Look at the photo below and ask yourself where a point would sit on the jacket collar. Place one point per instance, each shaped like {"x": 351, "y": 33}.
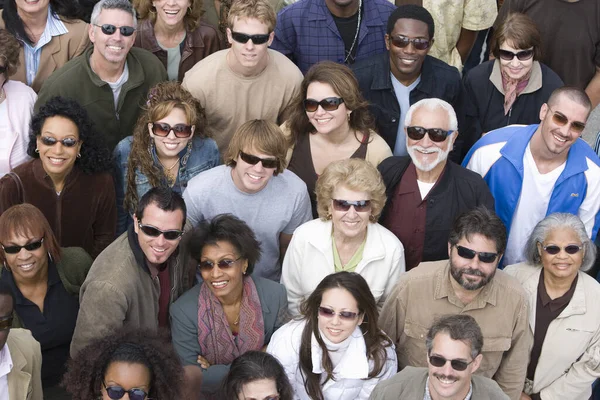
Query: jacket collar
{"x": 18, "y": 380}
{"x": 136, "y": 70}
{"x": 42, "y": 176}
{"x": 148, "y": 38}
{"x": 382, "y": 79}
{"x": 534, "y": 84}
{"x": 444, "y": 289}
{"x": 134, "y": 244}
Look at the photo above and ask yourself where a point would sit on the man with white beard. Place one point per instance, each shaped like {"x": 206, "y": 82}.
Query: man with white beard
{"x": 425, "y": 191}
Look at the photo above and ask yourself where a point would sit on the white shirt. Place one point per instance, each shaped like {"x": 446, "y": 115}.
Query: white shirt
{"x": 6, "y": 365}
{"x": 425, "y": 188}
{"x": 116, "y": 86}
{"x": 403, "y": 96}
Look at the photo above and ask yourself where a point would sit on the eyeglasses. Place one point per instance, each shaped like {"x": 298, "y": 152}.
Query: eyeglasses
{"x": 457, "y": 365}
{"x": 329, "y": 313}
{"x": 29, "y": 247}
{"x": 469, "y": 254}
{"x": 570, "y": 249}
{"x": 327, "y": 104}
{"x": 256, "y": 39}
{"x": 561, "y": 120}
{"x": 435, "y": 134}
{"x": 67, "y": 142}
{"x": 109, "y": 29}
{"x": 6, "y": 323}
{"x": 163, "y": 129}
{"x": 403, "y": 41}
{"x": 117, "y": 392}
{"x": 171, "y": 234}
{"x": 359, "y": 206}
{"x": 253, "y": 160}
{"x": 207, "y": 265}
{"x": 521, "y": 55}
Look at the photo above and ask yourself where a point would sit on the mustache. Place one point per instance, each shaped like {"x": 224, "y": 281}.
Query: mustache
{"x": 429, "y": 149}
{"x": 446, "y": 377}
{"x": 472, "y": 271}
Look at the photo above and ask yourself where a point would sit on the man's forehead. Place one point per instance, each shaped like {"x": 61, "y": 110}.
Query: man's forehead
{"x": 444, "y": 345}
{"x": 570, "y": 108}
{"x": 431, "y": 118}
{"x": 113, "y": 15}
{"x": 411, "y": 27}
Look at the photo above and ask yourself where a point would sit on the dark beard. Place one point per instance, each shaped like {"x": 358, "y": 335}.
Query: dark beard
{"x": 457, "y": 274}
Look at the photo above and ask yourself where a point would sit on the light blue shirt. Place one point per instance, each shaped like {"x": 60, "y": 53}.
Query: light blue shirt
{"x": 54, "y": 27}
{"x": 403, "y": 96}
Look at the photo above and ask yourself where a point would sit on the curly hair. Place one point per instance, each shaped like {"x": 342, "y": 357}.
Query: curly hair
{"x": 95, "y": 156}
{"x": 85, "y": 373}
{"x": 162, "y": 99}
{"x": 9, "y": 52}
{"x": 191, "y": 20}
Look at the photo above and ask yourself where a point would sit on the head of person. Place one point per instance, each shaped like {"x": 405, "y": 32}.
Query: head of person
{"x": 475, "y": 246}
{"x": 158, "y": 223}
{"x": 559, "y": 243}
{"x": 226, "y": 250}
{"x": 329, "y": 102}
{"x": 7, "y": 304}
{"x": 127, "y": 364}
{"x": 431, "y": 128}
{"x": 184, "y": 14}
{"x": 256, "y": 153}
{"x": 256, "y": 375}
{"x": 250, "y": 31}
{"x": 9, "y": 56}
{"x": 453, "y": 345}
{"x": 409, "y": 38}
{"x": 112, "y": 30}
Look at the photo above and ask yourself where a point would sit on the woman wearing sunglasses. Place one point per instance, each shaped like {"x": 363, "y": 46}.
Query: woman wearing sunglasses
{"x": 512, "y": 88}
{"x": 563, "y": 307}
{"x": 45, "y": 280}
{"x": 336, "y": 351}
{"x": 346, "y": 237}
{"x": 68, "y": 178}
{"x": 229, "y": 312}
{"x": 133, "y": 365}
{"x": 169, "y": 147}
{"x": 328, "y": 121}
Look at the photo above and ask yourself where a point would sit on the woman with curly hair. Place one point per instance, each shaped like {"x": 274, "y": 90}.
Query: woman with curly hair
{"x": 68, "y": 179}
{"x": 169, "y": 147}
{"x": 140, "y": 364}
{"x": 328, "y": 121}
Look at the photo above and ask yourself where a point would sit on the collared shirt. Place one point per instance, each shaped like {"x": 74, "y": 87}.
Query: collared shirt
{"x": 54, "y": 27}
{"x": 6, "y": 366}
{"x": 428, "y": 396}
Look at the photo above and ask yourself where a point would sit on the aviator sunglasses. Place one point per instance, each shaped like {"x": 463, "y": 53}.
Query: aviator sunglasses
{"x": 469, "y": 254}
{"x": 67, "y": 142}
{"x": 109, "y": 29}
{"x": 29, "y": 247}
{"x": 256, "y": 39}
{"x": 560, "y": 120}
{"x": 117, "y": 392}
{"x": 226, "y": 263}
{"x": 403, "y": 41}
{"x": 253, "y": 160}
{"x": 570, "y": 249}
{"x": 327, "y": 104}
{"x": 457, "y": 365}
{"x": 521, "y": 55}
{"x": 152, "y": 231}
{"x": 163, "y": 129}
{"x": 435, "y": 134}
{"x": 329, "y": 313}
{"x": 359, "y": 206}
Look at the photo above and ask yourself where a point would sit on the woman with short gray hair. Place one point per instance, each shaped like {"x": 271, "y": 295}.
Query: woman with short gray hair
{"x": 563, "y": 309}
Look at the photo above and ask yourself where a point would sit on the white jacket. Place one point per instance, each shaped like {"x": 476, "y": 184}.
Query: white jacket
{"x": 348, "y": 382}
{"x": 309, "y": 259}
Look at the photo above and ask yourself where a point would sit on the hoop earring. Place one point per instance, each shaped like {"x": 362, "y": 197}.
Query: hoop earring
{"x": 37, "y": 150}
{"x": 78, "y": 155}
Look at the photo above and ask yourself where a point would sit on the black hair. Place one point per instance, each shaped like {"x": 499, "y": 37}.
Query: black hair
{"x": 575, "y": 94}
{"x": 411, "y": 11}
{"x": 6, "y": 290}
{"x": 479, "y": 221}
{"x": 164, "y": 198}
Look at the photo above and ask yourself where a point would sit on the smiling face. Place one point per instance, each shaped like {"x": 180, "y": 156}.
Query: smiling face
{"x": 57, "y": 159}
{"x": 406, "y": 63}
{"x": 349, "y": 224}
{"x": 171, "y": 12}
{"x": 31, "y": 7}
{"x": 425, "y": 153}
{"x": 557, "y": 140}
{"x": 472, "y": 274}
{"x": 128, "y": 376}
{"x": 327, "y": 122}
{"x": 226, "y": 282}
{"x": 335, "y": 328}
{"x": 112, "y": 48}
{"x": 251, "y": 178}
{"x": 515, "y": 68}
{"x": 561, "y": 266}
{"x": 170, "y": 145}
{"x": 26, "y": 265}
{"x": 248, "y": 58}
{"x": 260, "y": 389}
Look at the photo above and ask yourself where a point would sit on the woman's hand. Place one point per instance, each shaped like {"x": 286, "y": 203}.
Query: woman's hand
{"x": 203, "y": 362}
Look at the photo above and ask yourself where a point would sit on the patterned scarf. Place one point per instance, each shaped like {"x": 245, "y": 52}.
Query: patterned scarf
{"x": 513, "y": 88}
{"x": 214, "y": 335}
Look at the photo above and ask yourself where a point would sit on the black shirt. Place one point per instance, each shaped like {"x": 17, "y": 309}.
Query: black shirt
{"x": 348, "y": 28}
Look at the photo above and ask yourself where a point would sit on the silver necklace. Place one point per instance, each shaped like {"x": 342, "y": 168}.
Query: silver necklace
{"x": 356, "y": 34}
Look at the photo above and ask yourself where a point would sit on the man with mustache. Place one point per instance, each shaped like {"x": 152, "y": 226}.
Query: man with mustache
{"x": 468, "y": 284}
{"x": 426, "y": 192}
{"x": 454, "y": 344}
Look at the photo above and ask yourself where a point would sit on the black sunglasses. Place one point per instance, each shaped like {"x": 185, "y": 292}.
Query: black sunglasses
{"x": 171, "y": 234}
{"x": 3, "y": 69}
{"x": 253, "y": 160}
{"x": 6, "y": 323}
{"x": 226, "y": 263}
{"x": 67, "y": 142}
{"x": 469, "y": 254}
{"x": 457, "y": 365}
{"x": 29, "y": 247}
{"x": 256, "y": 39}
{"x": 117, "y": 392}
{"x": 403, "y": 41}
{"x": 163, "y": 129}
{"x": 359, "y": 206}
{"x": 561, "y": 120}
{"x": 570, "y": 249}
{"x": 435, "y": 134}
{"x": 327, "y": 104}
{"x": 329, "y": 313}
{"x": 109, "y": 29}
{"x": 521, "y": 55}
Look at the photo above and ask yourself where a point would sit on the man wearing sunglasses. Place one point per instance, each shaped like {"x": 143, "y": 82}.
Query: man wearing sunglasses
{"x": 110, "y": 79}
{"x": 537, "y": 170}
{"x": 468, "y": 283}
{"x": 425, "y": 191}
{"x": 454, "y": 344}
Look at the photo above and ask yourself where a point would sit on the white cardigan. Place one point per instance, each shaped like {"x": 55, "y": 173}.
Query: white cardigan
{"x": 309, "y": 259}
{"x": 349, "y": 374}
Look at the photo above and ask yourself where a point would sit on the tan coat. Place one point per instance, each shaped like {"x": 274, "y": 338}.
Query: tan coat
{"x": 25, "y": 378}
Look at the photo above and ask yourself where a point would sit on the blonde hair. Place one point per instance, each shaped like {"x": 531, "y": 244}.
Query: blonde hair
{"x": 261, "y": 10}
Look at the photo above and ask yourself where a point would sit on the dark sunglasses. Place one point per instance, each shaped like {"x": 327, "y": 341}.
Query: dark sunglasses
{"x": 6, "y": 323}
{"x": 171, "y": 234}
{"x": 117, "y": 392}
{"x": 222, "y": 264}
{"x": 163, "y": 129}
{"x": 109, "y": 29}
{"x": 3, "y": 69}
{"x": 327, "y": 104}
{"x": 329, "y": 313}
{"x": 403, "y": 41}
{"x": 457, "y": 365}
{"x": 560, "y": 120}
{"x": 359, "y": 206}
{"x": 521, "y": 55}
{"x": 570, "y": 249}
{"x": 67, "y": 142}
{"x": 253, "y": 160}
{"x": 469, "y": 254}
{"x": 435, "y": 134}
{"x": 256, "y": 39}
{"x": 29, "y": 247}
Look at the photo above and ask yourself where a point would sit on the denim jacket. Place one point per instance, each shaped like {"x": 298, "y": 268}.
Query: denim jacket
{"x": 204, "y": 155}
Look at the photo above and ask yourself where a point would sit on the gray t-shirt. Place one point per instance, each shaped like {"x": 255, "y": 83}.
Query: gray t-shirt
{"x": 282, "y": 206}
{"x": 403, "y": 96}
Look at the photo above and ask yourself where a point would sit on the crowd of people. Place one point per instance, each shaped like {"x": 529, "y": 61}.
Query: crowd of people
{"x": 307, "y": 200}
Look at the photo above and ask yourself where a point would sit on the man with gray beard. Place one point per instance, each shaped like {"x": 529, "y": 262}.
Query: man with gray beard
{"x": 468, "y": 283}
{"x": 425, "y": 191}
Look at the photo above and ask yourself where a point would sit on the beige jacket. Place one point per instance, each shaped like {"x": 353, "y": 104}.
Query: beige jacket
{"x": 570, "y": 358}
{"x": 25, "y": 377}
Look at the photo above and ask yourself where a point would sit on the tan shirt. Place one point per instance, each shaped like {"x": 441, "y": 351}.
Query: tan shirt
{"x": 500, "y": 309}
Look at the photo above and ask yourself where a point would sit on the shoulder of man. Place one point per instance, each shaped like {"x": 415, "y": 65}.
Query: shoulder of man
{"x": 22, "y": 341}
{"x": 486, "y": 388}
{"x": 114, "y": 263}
{"x": 440, "y": 67}
{"x": 208, "y": 66}
{"x": 285, "y": 67}
{"x": 410, "y": 379}
{"x": 508, "y": 283}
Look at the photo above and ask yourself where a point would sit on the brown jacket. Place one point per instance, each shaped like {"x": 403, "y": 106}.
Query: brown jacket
{"x": 25, "y": 377}
{"x": 501, "y": 310}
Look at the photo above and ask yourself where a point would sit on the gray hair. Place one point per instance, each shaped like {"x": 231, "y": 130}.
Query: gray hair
{"x": 461, "y": 327}
{"x": 557, "y": 221}
{"x": 433, "y": 104}
{"x": 123, "y": 5}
